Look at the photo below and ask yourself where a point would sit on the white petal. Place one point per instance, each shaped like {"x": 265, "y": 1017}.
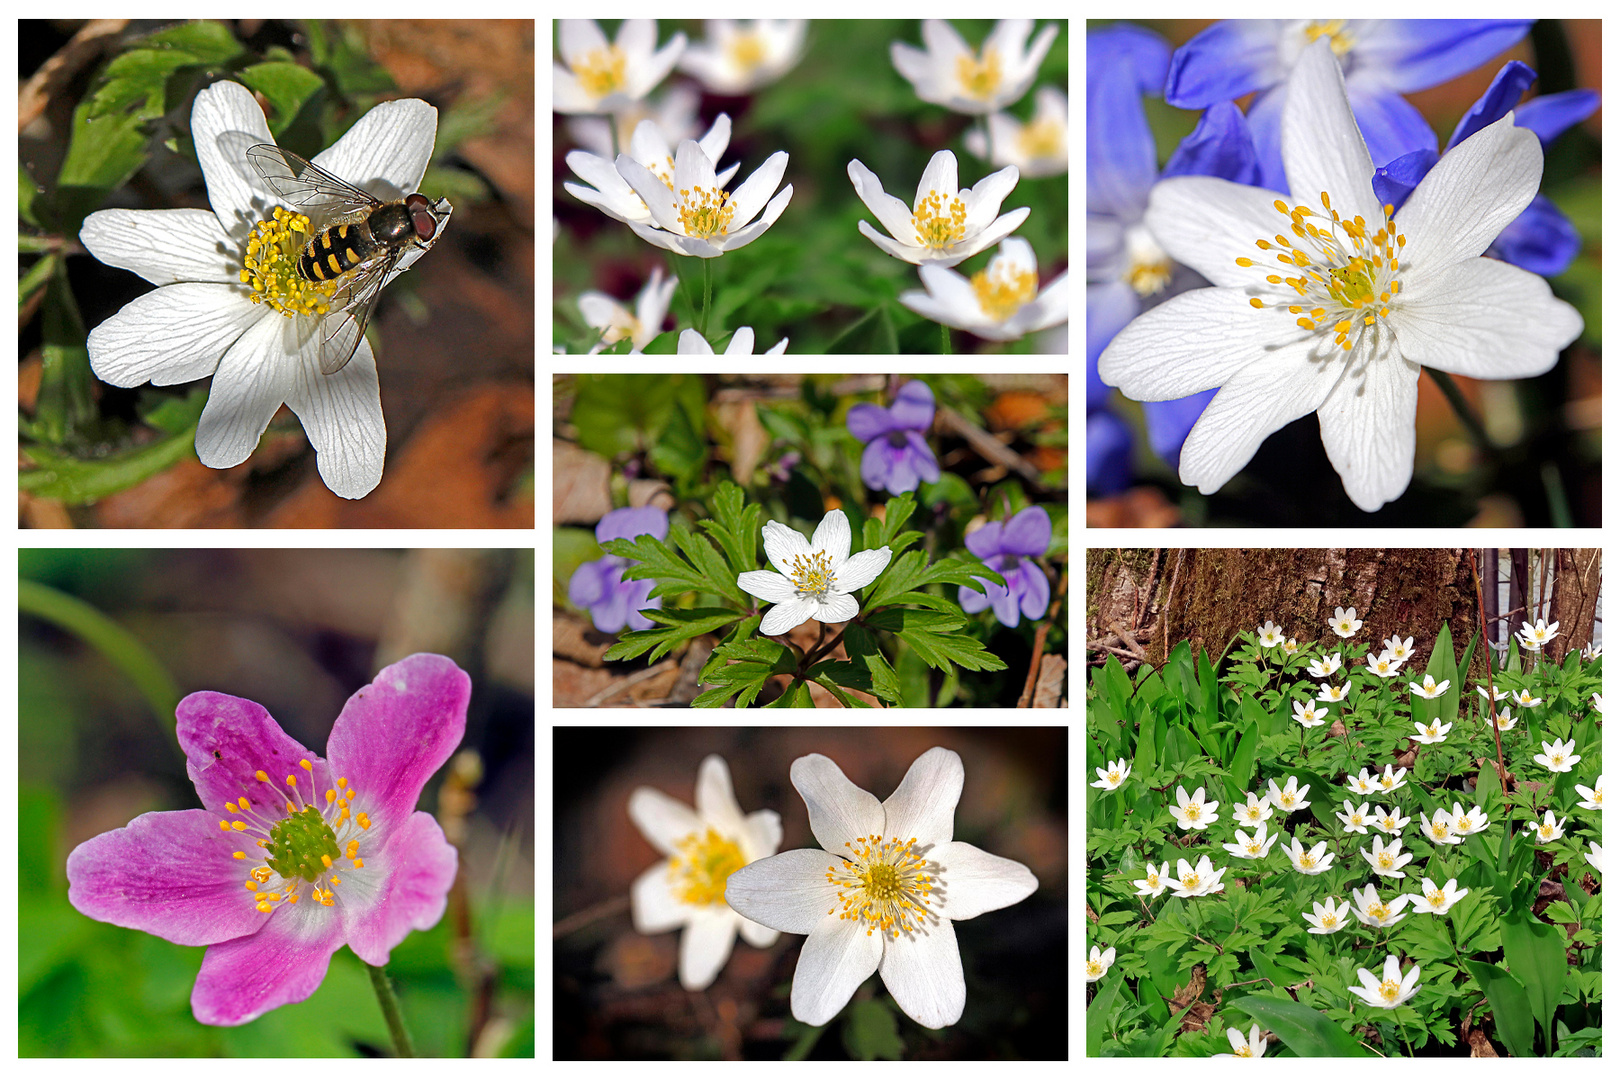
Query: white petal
{"x": 1207, "y": 223}
{"x": 654, "y": 908}
{"x": 170, "y": 335}
{"x": 753, "y": 193}
{"x": 924, "y": 973}
{"x": 1193, "y": 342}
{"x": 1487, "y": 320}
{"x": 706, "y": 945}
{"x": 784, "y": 617}
{"x": 832, "y": 537}
{"x": 782, "y": 544}
{"x": 163, "y": 246}
{"x": 387, "y": 149}
{"x": 768, "y": 585}
{"x": 837, "y": 957}
{"x": 1471, "y": 195}
{"x": 838, "y": 607}
{"x": 839, "y": 811}
{"x": 1369, "y": 425}
{"x": 757, "y": 935}
{"x": 893, "y": 214}
{"x": 342, "y": 416}
{"x": 249, "y": 385}
{"x": 862, "y": 568}
{"x": 976, "y": 881}
{"x": 788, "y": 892}
{"x": 1322, "y": 147}
{"x": 716, "y": 804}
{"x": 662, "y": 820}
{"x": 761, "y": 835}
{"x": 924, "y": 805}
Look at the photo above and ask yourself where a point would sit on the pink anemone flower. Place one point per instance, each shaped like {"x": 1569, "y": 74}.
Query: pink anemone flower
{"x": 296, "y": 855}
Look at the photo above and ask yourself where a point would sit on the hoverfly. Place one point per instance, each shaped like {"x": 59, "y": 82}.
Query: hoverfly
{"x": 358, "y": 240}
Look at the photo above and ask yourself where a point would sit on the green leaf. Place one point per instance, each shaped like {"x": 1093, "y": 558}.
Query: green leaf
{"x": 655, "y": 560}
{"x": 1097, "y": 1014}
{"x": 704, "y": 556}
{"x": 930, "y": 635}
{"x": 740, "y": 667}
{"x": 680, "y": 452}
{"x": 1302, "y": 1029}
{"x": 617, "y": 414}
{"x": 862, "y": 646}
{"x": 678, "y": 626}
{"x": 835, "y": 675}
{"x": 896, "y": 513}
{"x": 1510, "y": 1006}
{"x": 797, "y": 696}
{"x": 910, "y": 573}
{"x": 287, "y": 86}
{"x": 736, "y": 526}
{"x": 1534, "y": 953}
{"x": 871, "y": 1032}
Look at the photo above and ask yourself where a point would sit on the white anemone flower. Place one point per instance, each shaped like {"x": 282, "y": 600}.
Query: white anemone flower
{"x": 1500, "y": 695}
{"x": 1307, "y": 715}
{"x": 1398, "y": 649}
{"x": 1098, "y": 963}
{"x": 205, "y": 319}
{"x": 1436, "y": 900}
{"x": 1363, "y": 784}
{"x": 1354, "y": 817}
{"x": 813, "y": 579}
{"x": 702, "y": 848}
{"x": 1393, "y": 779}
{"x": 1360, "y": 304}
{"x": 1270, "y": 634}
{"x": 1287, "y": 799}
{"x": 596, "y": 77}
{"x": 618, "y": 322}
{"x": 1393, "y": 990}
{"x": 1109, "y": 779}
{"x": 1252, "y": 1047}
{"x": 951, "y": 74}
{"x": 1597, "y": 701}
{"x": 694, "y": 215}
{"x": 1386, "y": 861}
{"x": 1534, "y": 637}
{"x": 1345, "y": 623}
{"x": 1591, "y": 652}
{"x": 1192, "y": 812}
{"x": 1200, "y": 880}
{"x": 1438, "y": 830}
{"x": 1525, "y": 699}
{"x": 1325, "y": 918}
{"x": 1257, "y": 846}
{"x": 1038, "y": 148}
{"x": 1466, "y": 822}
{"x": 692, "y": 343}
{"x": 1290, "y": 647}
{"x": 1389, "y": 822}
{"x": 1429, "y": 688}
{"x": 1156, "y": 880}
{"x": 1325, "y": 667}
{"x": 946, "y": 224}
{"x": 1308, "y": 862}
{"x": 737, "y": 58}
{"x": 1430, "y": 733}
{"x": 1331, "y": 694}
{"x": 887, "y": 901}
{"x": 1547, "y": 830}
{"x": 1595, "y": 856}
{"x": 1504, "y": 720}
{"x": 610, "y": 193}
{"x": 1000, "y": 302}
{"x": 1384, "y": 666}
{"x": 1252, "y": 810}
{"x": 1558, "y": 755}
{"x": 1374, "y": 912}
{"x": 1592, "y": 797}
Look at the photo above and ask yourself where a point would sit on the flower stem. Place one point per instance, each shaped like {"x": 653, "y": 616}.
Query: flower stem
{"x": 944, "y": 339}
{"x": 708, "y": 284}
{"x": 1464, "y": 411}
{"x": 390, "y": 1010}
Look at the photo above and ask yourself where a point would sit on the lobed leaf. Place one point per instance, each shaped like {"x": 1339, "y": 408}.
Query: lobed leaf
{"x": 678, "y": 626}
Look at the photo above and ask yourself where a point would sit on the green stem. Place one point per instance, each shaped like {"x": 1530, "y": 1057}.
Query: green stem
{"x": 1557, "y": 500}
{"x": 708, "y": 285}
{"x": 390, "y": 1010}
{"x": 1464, "y": 411}
{"x": 944, "y": 339}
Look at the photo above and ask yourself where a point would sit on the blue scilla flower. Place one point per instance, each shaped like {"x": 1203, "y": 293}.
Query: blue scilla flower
{"x": 897, "y": 456}
{"x": 1127, "y": 271}
{"x": 1381, "y": 58}
{"x": 1010, "y": 548}
{"x": 1540, "y": 240}
{"x": 599, "y": 586}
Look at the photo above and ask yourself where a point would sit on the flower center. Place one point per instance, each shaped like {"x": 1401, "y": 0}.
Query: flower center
{"x": 1306, "y": 860}
{"x": 1387, "y": 782}
{"x": 1003, "y": 288}
{"x": 1436, "y": 899}
{"x": 1464, "y": 823}
{"x": 704, "y": 212}
{"x": 1149, "y": 270}
{"x": 1389, "y": 989}
{"x": 1333, "y": 29}
{"x": 270, "y": 267}
{"x": 1193, "y": 810}
{"x": 1113, "y": 776}
{"x": 1255, "y": 846}
{"x": 700, "y": 869}
{"x": 1153, "y": 880}
{"x": 1286, "y": 800}
{"x": 882, "y": 884}
{"x": 812, "y": 575}
{"x": 1439, "y": 830}
{"x": 1379, "y": 911}
{"x": 1329, "y": 921}
{"x": 1347, "y": 277}
{"x": 1041, "y": 138}
{"x": 601, "y": 71}
{"x": 1558, "y": 759}
{"x": 1385, "y": 860}
{"x": 980, "y": 78}
{"x": 1189, "y": 880}
{"x": 303, "y": 846}
{"x": 1243, "y": 1051}
{"x": 1093, "y": 967}
{"x": 747, "y": 50}
{"x": 940, "y": 220}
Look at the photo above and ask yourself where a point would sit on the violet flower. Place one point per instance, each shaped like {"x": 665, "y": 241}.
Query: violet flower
{"x": 897, "y": 456}
{"x": 599, "y": 587}
{"x": 331, "y": 851}
{"x": 1008, "y": 548}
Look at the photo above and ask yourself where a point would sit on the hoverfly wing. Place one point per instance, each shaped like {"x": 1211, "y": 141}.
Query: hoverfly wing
{"x": 303, "y": 183}
{"x": 352, "y": 305}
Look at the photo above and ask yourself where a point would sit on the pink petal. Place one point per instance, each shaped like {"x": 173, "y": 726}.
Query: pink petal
{"x": 226, "y": 739}
{"x": 421, "y": 865}
{"x": 169, "y": 874}
{"x": 284, "y": 962}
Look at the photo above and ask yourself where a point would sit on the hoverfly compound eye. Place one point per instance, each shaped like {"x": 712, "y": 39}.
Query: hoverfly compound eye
{"x": 423, "y": 220}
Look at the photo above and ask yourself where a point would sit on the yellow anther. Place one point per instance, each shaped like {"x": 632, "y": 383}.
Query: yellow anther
{"x": 259, "y": 775}
{"x": 1254, "y": 302}
{"x": 1245, "y": 262}
{"x": 1282, "y": 207}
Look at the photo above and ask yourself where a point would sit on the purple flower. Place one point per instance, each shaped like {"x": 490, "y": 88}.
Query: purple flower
{"x": 897, "y": 457}
{"x": 295, "y": 855}
{"x": 1008, "y": 548}
{"x": 599, "y": 586}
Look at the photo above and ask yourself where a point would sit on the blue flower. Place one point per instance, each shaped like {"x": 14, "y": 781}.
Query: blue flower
{"x": 1009, "y": 548}
{"x": 599, "y": 587}
{"x": 1382, "y": 59}
{"x": 1541, "y": 239}
{"x": 897, "y": 456}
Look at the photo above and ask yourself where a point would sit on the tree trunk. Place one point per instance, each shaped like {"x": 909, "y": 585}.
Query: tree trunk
{"x": 1577, "y": 582}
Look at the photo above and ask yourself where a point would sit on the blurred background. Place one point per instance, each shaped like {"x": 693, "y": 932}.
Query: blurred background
{"x": 615, "y": 993}
{"x": 454, "y": 336}
{"x": 110, "y": 639}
